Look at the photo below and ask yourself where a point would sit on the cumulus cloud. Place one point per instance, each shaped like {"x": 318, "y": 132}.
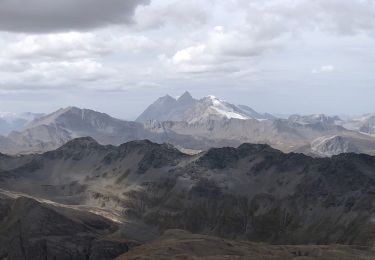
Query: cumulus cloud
{"x": 249, "y": 30}
{"x": 223, "y": 51}
{"x": 62, "y": 15}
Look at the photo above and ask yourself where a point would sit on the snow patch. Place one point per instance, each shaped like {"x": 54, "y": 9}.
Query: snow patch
{"x": 230, "y": 114}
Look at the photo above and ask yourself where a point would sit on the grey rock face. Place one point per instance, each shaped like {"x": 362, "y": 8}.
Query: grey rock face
{"x": 168, "y": 108}
{"x": 333, "y": 145}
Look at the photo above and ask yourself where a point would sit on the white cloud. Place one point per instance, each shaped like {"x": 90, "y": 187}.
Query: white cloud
{"x": 189, "y": 55}
{"x": 323, "y": 69}
{"x": 73, "y": 45}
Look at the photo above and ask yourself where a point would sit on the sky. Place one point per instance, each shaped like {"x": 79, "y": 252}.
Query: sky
{"x": 118, "y": 56}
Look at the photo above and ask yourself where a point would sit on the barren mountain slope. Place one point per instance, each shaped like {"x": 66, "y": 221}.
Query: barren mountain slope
{"x": 179, "y": 244}
{"x": 33, "y": 230}
{"x": 251, "y": 192}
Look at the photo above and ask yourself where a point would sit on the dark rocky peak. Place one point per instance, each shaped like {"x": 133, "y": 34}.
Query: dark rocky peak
{"x": 76, "y": 149}
{"x": 154, "y": 155}
{"x": 146, "y": 146}
{"x": 219, "y": 158}
{"x": 160, "y": 156}
{"x": 360, "y": 158}
{"x": 248, "y": 149}
{"x": 82, "y": 142}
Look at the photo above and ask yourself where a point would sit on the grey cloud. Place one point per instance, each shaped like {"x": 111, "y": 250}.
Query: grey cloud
{"x": 42, "y": 16}
{"x": 348, "y": 17}
{"x": 179, "y": 14}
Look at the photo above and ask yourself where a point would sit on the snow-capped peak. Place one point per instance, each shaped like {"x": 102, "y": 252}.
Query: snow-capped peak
{"x": 225, "y": 109}
{"x": 186, "y": 108}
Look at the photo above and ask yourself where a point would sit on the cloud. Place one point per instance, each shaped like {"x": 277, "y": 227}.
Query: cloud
{"x": 223, "y": 51}
{"x": 178, "y": 14}
{"x": 73, "y": 45}
{"x": 176, "y": 41}
{"x": 43, "y": 16}
{"x": 323, "y": 69}
{"x": 188, "y": 54}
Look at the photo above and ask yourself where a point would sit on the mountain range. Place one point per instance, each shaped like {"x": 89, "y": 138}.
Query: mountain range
{"x": 190, "y": 110}
{"x": 194, "y": 125}
{"x": 102, "y": 200}
{"x": 190, "y": 179}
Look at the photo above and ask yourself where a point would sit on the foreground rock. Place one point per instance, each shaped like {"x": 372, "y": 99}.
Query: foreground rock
{"x": 33, "y": 230}
{"x": 178, "y": 244}
{"x": 252, "y": 192}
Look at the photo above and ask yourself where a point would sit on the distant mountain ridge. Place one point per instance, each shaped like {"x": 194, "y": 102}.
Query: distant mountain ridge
{"x": 364, "y": 124}
{"x": 193, "y": 125}
{"x": 187, "y": 109}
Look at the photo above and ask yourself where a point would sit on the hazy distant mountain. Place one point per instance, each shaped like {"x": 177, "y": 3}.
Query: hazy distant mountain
{"x": 197, "y": 125}
{"x": 53, "y": 130}
{"x": 282, "y": 134}
{"x": 252, "y": 192}
{"x": 191, "y": 110}
{"x": 215, "y": 120}
{"x": 364, "y": 124}
{"x": 315, "y": 119}
{"x": 15, "y": 121}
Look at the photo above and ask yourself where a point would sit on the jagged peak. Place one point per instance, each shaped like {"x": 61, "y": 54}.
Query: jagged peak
{"x": 185, "y": 96}
{"x": 80, "y": 142}
{"x": 254, "y": 147}
{"x": 147, "y": 144}
{"x": 166, "y": 98}
{"x": 144, "y": 142}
